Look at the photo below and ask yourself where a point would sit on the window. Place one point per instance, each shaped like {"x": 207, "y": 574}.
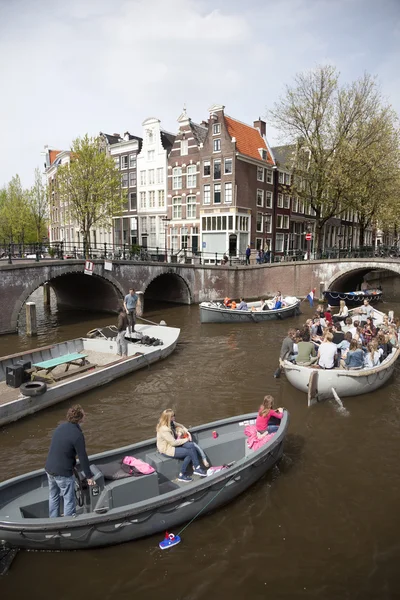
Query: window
{"x": 279, "y": 242}
{"x": 268, "y": 223}
{"x": 177, "y": 207}
{"x": 191, "y": 207}
{"x": 142, "y": 177}
{"x": 280, "y": 200}
{"x": 143, "y": 224}
{"x": 228, "y": 193}
{"x": 150, "y": 154}
{"x": 279, "y": 221}
{"x": 287, "y": 178}
{"x": 217, "y": 169}
{"x": 152, "y": 199}
{"x": 207, "y": 194}
{"x": 116, "y": 160}
{"x": 177, "y": 178}
{"x": 161, "y": 199}
{"x": 191, "y": 176}
{"x": 301, "y": 206}
{"x": 260, "y": 197}
{"x": 259, "y": 224}
{"x": 160, "y": 175}
{"x": 268, "y": 199}
{"x": 142, "y": 199}
{"x": 217, "y": 193}
{"x": 260, "y": 174}
{"x": 228, "y": 166}
{"x": 206, "y": 168}
{"x": 150, "y": 135}
{"x": 132, "y": 179}
{"x": 184, "y": 147}
{"x": 124, "y": 162}
{"x": 281, "y": 177}
{"x": 151, "y": 176}
{"x": 174, "y": 238}
{"x": 216, "y": 128}
{"x": 133, "y": 200}
{"x": 285, "y": 222}
{"x": 217, "y": 145}
{"x": 269, "y": 176}
{"x": 132, "y": 161}
{"x": 295, "y": 204}
{"x": 124, "y": 180}
{"x": 286, "y": 201}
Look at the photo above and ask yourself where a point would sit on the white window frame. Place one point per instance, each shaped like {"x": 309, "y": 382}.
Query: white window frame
{"x": 260, "y": 173}
{"x": 279, "y": 221}
{"x": 216, "y": 162}
{"x": 152, "y": 177}
{"x": 287, "y": 178}
{"x": 286, "y": 201}
{"x": 269, "y": 176}
{"x": 295, "y": 204}
{"x": 281, "y": 246}
{"x": 227, "y": 161}
{"x": 151, "y": 155}
{"x": 177, "y": 178}
{"x": 124, "y": 180}
{"x": 217, "y": 145}
{"x": 259, "y": 223}
{"x": 285, "y": 222}
{"x": 184, "y": 147}
{"x": 152, "y": 199}
{"x": 161, "y": 198}
{"x": 216, "y": 185}
{"x": 268, "y": 223}
{"x": 132, "y": 161}
{"x": 142, "y": 177}
{"x": 160, "y": 174}
{"x": 216, "y": 128}
{"x": 191, "y": 207}
{"x": 177, "y": 207}
{"x": 191, "y": 176}
{"x": 142, "y": 199}
{"x": 132, "y": 176}
{"x": 228, "y": 192}
{"x": 260, "y": 197}
{"x": 280, "y": 201}
{"x": 281, "y": 177}
{"x": 268, "y": 199}
{"x": 207, "y": 163}
{"x": 124, "y": 161}
{"x": 207, "y": 194}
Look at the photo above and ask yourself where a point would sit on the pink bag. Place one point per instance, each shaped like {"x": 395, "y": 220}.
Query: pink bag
{"x": 140, "y": 465}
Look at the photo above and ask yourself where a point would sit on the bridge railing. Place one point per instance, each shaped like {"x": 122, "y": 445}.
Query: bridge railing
{"x": 65, "y": 251}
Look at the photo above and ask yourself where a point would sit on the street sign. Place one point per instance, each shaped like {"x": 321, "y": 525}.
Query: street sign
{"x": 88, "y": 267}
{"x": 308, "y": 237}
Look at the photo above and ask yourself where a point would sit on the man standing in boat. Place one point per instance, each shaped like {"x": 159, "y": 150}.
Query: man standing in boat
{"x": 122, "y": 342}
{"x": 130, "y": 302}
{"x": 67, "y": 442}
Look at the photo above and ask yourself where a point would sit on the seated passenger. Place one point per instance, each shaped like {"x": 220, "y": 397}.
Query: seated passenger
{"x": 354, "y": 357}
{"x": 227, "y": 302}
{"x": 343, "y": 312}
{"x": 168, "y": 444}
{"x": 265, "y": 413}
{"x": 371, "y": 359}
{"x": 242, "y": 305}
{"x": 306, "y": 350}
{"x": 328, "y": 315}
{"x": 384, "y": 346}
{"x": 233, "y": 305}
{"x": 277, "y": 300}
{"x": 327, "y": 353}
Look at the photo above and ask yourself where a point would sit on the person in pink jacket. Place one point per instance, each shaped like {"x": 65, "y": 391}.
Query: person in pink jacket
{"x": 265, "y": 412}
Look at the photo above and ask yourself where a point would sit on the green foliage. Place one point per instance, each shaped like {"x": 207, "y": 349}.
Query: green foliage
{"x": 90, "y": 186}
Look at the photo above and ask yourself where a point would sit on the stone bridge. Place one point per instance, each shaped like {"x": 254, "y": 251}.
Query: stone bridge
{"x": 185, "y": 284}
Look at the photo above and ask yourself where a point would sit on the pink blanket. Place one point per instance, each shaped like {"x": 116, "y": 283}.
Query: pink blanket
{"x": 255, "y": 442}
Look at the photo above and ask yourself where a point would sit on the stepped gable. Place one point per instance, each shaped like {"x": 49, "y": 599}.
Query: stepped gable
{"x": 167, "y": 140}
{"x": 248, "y": 140}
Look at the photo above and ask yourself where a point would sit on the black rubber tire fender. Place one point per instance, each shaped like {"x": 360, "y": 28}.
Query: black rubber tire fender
{"x": 33, "y": 388}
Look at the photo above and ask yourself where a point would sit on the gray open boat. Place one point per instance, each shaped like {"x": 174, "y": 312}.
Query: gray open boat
{"x": 116, "y": 511}
{"x": 217, "y": 312}
{"x": 99, "y": 365}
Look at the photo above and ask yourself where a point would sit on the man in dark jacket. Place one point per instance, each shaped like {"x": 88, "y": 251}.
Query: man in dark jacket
{"x": 67, "y": 442}
{"x": 122, "y": 342}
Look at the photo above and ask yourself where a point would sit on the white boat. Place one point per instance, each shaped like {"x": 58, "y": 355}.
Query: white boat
{"x": 217, "y": 312}
{"x": 93, "y": 362}
{"x": 321, "y": 384}
{"x": 355, "y": 315}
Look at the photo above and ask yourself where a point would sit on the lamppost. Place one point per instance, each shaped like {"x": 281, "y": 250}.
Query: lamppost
{"x": 308, "y": 239}
{"x": 165, "y": 220}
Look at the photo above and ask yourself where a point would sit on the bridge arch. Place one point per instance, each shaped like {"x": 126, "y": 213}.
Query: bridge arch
{"x": 348, "y": 272}
{"x": 168, "y": 287}
{"x": 75, "y": 289}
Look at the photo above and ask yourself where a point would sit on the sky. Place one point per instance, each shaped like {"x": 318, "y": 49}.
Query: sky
{"x": 83, "y": 66}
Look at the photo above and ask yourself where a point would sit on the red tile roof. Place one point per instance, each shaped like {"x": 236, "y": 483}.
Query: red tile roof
{"x": 53, "y": 155}
{"x": 248, "y": 139}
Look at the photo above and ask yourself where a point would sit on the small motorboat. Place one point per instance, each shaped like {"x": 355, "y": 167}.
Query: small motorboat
{"x": 321, "y": 384}
{"x": 217, "y": 312}
{"x": 352, "y": 298}
{"x": 33, "y": 380}
{"x": 117, "y": 510}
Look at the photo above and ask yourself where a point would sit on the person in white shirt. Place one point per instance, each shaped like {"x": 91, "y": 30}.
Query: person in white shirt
{"x": 327, "y": 353}
{"x": 343, "y": 312}
{"x": 372, "y": 357}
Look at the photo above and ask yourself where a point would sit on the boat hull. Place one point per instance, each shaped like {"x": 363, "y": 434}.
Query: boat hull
{"x": 210, "y": 313}
{"x": 334, "y": 298}
{"x": 162, "y": 513}
{"x": 26, "y": 405}
{"x": 345, "y": 382}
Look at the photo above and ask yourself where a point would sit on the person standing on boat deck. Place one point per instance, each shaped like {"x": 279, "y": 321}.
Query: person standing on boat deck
{"x": 130, "y": 302}
{"x": 67, "y": 442}
{"x": 122, "y": 342}
{"x": 366, "y": 311}
{"x": 170, "y": 445}
{"x": 248, "y": 254}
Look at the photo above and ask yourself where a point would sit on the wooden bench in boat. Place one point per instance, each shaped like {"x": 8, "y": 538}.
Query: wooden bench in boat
{"x": 75, "y": 358}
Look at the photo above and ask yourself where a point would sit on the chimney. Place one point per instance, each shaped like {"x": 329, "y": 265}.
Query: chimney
{"x": 261, "y": 126}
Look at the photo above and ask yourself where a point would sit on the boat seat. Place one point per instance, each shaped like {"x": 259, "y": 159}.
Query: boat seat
{"x": 167, "y": 466}
{"x": 226, "y": 448}
{"x": 37, "y": 504}
{"x": 133, "y": 489}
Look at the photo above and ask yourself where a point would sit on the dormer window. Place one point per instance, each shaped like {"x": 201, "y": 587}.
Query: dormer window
{"x": 216, "y": 128}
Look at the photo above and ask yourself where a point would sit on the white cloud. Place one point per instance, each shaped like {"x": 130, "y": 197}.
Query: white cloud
{"x": 91, "y": 65}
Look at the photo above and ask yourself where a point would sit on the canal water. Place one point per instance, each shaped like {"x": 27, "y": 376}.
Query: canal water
{"x": 323, "y": 524}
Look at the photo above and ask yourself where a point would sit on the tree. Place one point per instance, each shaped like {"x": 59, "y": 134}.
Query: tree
{"x": 15, "y": 218}
{"x": 328, "y": 124}
{"x": 38, "y": 206}
{"x": 90, "y": 186}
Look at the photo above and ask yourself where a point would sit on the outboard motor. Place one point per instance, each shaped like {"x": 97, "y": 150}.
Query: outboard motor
{"x": 86, "y": 495}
